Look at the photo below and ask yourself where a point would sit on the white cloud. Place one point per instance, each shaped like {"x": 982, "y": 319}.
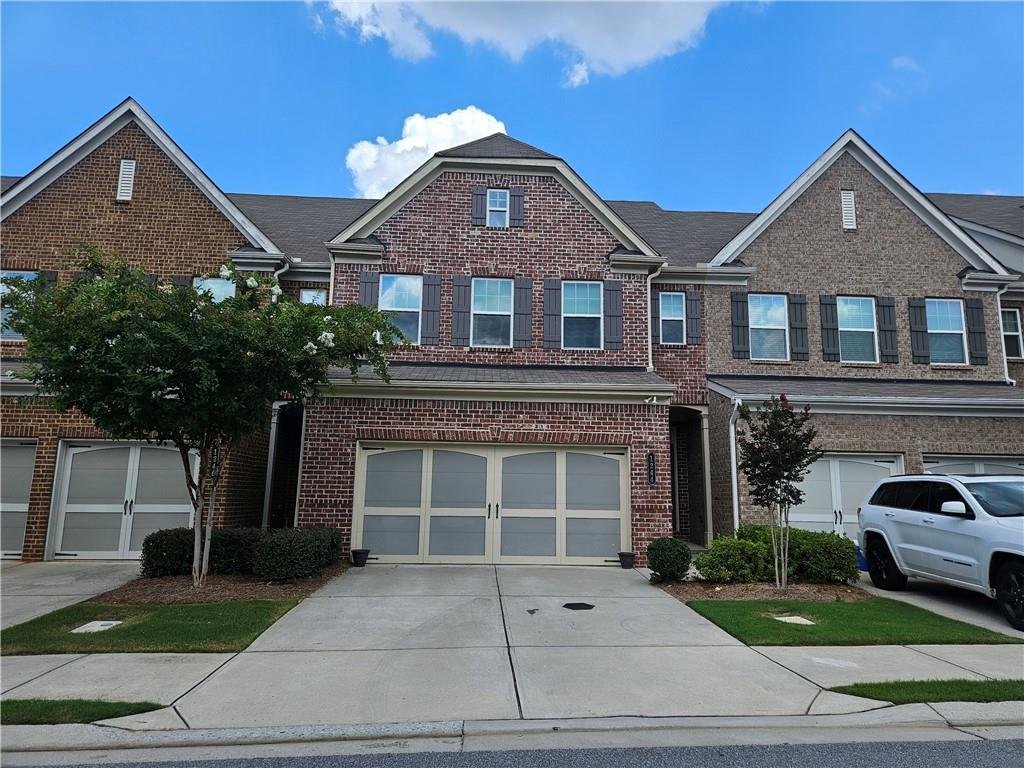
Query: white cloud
{"x": 378, "y": 166}
{"x": 907, "y": 64}
{"x": 607, "y": 38}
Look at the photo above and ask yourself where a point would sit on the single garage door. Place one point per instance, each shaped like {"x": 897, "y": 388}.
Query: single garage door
{"x": 479, "y": 504}
{"x": 835, "y": 487}
{"x": 17, "y": 460}
{"x": 974, "y": 465}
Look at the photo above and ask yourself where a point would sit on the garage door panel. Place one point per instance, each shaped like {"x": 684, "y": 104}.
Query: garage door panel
{"x": 394, "y": 479}
{"x": 458, "y": 480}
{"x": 457, "y": 535}
{"x": 835, "y": 486}
{"x": 592, "y": 537}
{"x": 529, "y": 537}
{"x": 970, "y": 465}
{"x": 528, "y": 480}
{"x": 591, "y": 482}
{"x": 391, "y": 534}
{"x": 17, "y": 463}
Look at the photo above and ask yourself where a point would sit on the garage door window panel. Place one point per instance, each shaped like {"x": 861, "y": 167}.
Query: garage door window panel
{"x": 161, "y": 498}
{"x": 17, "y": 462}
{"x": 458, "y": 503}
{"x": 97, "y": 493}
{"x": 529, "y": 517}
{"x": 393, "y": 481}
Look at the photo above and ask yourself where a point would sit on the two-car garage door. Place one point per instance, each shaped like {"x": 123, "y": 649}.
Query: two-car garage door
{"x": 480, "y": 504}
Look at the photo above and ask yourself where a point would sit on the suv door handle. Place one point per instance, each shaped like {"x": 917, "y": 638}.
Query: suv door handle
{"x": 889, "y": 514}
{"x": 928, "y": 520}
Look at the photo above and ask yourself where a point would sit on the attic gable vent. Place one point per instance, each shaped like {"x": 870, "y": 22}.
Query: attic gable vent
{"x": 126, "y": 180}
{"x": 849, "y": 209}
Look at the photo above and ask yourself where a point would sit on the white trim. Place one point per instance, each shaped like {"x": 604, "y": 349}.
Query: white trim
{"x": 874, "y": 329}
{"x": 1019, "y": 334}
{"x": 784, "y": 328}
{"x": 419, "y": 310}
{"x": 82, "y": 145}
{"x": 506, "y": 210}
{"x": 962, "y": 332}
{"x": 646, "y": 394}
{"x": 661, "y": 319}
{"x": 850, "y": 142}
{"x": 1000, "y": 234}
{"x": 473, "y": 312}
{"x": 705, "y": 274}
{"x": 599, "y": 315}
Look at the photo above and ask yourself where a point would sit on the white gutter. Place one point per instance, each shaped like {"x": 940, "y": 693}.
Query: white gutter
{"x": 1006, "y": 363}
{"x": 650, "y": 330}
{"x": 736, "y": 403}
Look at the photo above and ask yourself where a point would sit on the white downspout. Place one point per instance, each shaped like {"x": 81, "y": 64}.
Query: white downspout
{"x": 650, "y": 331}
{"x": 268, "y": 486}
{"x": 736, "y": 403}
{"x": 999, "y": 309}
{"x": 279, "y": 272}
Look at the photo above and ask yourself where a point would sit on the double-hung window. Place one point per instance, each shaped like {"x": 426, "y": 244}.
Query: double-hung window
{"x": 401, "y": 296}
{"x": 857, "y": 337}
{"x": 492, "y": 312}
{"x": 947, "y": 339}
{"x": 769, "y": 330}
{"x": 313, "y": 296}
{"x": 672, "y": 311}
{"x": 217, "y": 287}
{"x": 497, "y": 207}
{"x": 1013, "y": 344}
{"x": 582, "y": 315}
{"x": 5, "y": 313}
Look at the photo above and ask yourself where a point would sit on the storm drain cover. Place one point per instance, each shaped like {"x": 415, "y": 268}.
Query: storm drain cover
{"x": 94, "y": 626}
{"x": 794, "y": 620}
{"x": 578, "y": 606}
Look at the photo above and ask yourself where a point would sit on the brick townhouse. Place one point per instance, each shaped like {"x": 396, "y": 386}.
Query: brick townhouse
{"x": 575, "y": 363}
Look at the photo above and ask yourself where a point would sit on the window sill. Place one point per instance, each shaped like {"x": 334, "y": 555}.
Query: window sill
{"x": 772, "y": 362}
{"x": 949, "y": 366}
{"x": 485, "y": 349}
{"x": 860, "y": 365}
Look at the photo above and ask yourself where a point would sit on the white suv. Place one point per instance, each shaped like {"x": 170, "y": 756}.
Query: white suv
{"x": 965, "y": 530}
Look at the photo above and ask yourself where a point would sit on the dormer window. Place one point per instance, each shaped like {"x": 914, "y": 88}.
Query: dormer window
{"x": 497, "y": 207}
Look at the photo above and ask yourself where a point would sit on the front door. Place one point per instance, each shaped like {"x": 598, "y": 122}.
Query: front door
{"x": 835, "y": 487}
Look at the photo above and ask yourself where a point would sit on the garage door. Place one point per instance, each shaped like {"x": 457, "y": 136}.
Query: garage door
{"x": 835, "y": 487}
{"x": 17, "y": 459}
{"x": 974, "y": 465}
{"x": 478, "y": 504}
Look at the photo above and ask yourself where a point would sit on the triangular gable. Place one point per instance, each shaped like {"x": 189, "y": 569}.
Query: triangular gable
{"x": 852, "y": 143}
{"x": 129, "y": 110}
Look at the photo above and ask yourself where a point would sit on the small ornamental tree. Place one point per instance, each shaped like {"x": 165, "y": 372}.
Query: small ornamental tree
{"x": 776, "y": 451}
{"x": 171, "y": 364}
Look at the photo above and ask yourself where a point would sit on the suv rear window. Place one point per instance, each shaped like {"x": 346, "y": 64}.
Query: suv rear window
{"x": 913, "y": 495}
{"x": 885, "y": 496}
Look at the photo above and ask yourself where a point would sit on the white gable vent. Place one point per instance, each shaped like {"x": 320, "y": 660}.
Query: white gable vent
{"x": 849, "y": 209}
{"x": 126, "y": 180}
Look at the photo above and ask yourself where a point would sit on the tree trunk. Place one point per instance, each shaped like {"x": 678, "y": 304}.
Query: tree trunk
{"x": 776, "y": 552}
{"x": 209, "y": 534}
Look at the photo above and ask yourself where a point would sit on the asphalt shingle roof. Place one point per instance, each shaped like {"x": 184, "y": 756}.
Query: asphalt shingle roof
{"x": 1002, "y": 212}
{"x": 7, "y": 181}
{"x": 807, "y": 386}
{"x": 498, "y": 146}
{"x": 496, "y": 374}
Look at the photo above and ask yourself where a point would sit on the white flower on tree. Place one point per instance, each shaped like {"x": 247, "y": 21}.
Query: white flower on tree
{"x": 327, "y": 339}
{"x": 225, "y": 271}
{"x": 328, "y": 319}
{"x": 310, "y": 347}
{"x": 166, "y": 288}
{"x": 276, "y": 291}
{"x": 251, "y": 282}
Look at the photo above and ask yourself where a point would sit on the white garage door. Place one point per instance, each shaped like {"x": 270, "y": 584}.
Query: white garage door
{"x": 17, "y": 460}
{"x": 835, "y": 486}
{"x": 477, "y": 504}
{"x": 974, "y": 465}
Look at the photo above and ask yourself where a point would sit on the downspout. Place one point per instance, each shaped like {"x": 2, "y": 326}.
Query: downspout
{"x": 733, "y": 417}
{"x": 650, "y": 331}
{"x": 999, "y": 308}
{"x": 268, "y": 487}
{"x": 279, "y": 272}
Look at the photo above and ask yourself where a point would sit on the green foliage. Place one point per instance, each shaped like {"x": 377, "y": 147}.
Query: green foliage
{"x": 167, "y": 552}
{"x": 233, "y": 550}
{"x": 668, "y": 558}
{"x": 296, "y": 553}
{"x": 52, "y": 711}
{"x": 729, "y": 559}
{"x": 814, "y": 556}
{"x": 919, "y": 691}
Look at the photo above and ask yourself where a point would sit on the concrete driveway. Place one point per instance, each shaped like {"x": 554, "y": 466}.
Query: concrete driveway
{"x": 28, "y": 590}
{"x": 427, "y": 643}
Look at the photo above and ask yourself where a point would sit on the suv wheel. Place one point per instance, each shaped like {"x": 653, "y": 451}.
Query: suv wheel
{"x": 1009, "y": 586}
{"x": 882, "y": 568}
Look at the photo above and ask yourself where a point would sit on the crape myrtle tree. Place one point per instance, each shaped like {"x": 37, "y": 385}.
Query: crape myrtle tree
{"x": 171, "y": 364}
{"x": 776, "y": 451}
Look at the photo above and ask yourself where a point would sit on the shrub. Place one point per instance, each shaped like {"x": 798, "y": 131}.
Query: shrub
{"x": 729, "y": 559}
{"x": 167, "y": 552}
{"x": 668, "y": 558}
{"x": 296, "y": 553}
{"x": 814, "y": 556}
{"x": 232, "y": 550}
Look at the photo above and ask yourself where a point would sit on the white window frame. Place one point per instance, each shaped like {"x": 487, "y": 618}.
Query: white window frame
{"x": 962, "y": 333}
{"x": 419, "y": 310}
{"x": 874, "y": 329}
{"x": 784, "y": 328}
{"x": 26, "y": 274}
{"x": 662, "y": 318}
{"x": 599, "y": 315}
{"x": 1019, "y": 333}
{"x": 473, "y": 312}
{"x": 497, "y": 208}
{"x": 304, "y": 292}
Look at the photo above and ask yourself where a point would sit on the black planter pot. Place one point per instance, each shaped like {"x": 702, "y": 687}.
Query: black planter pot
{"x": 359, "y": 557}
{"x": 627, "y": 559}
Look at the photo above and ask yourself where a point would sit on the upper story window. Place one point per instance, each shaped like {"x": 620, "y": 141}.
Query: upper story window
{"x": 1013, "y": 343}
{"x": 218, "y": 288}
{"x": 582, "y": 315}
{"x": 313, "y": 296}
{"x": 947, "y": 337}
{"x": 497, "y": 207}
{"x": 492, "y": 312}
{"x": 769, "y": 331}
{"x": 5, "y": 332}
{"x": 402, "y": 297}
{"x": 672, "y": 311}
{"x": 857, "y": 332}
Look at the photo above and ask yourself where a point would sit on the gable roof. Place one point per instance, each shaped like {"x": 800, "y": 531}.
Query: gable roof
{"x": 852, "y": 143}
{"x": 497, "y": 146}
{"x": 128, "y": 111}
{"x": 1002, "y": 212}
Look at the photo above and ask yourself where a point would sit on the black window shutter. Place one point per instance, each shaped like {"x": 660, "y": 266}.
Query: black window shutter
{"x": 885, "y": 315}
{"x": 976, "y": 345}
{"x": 181, "y": 281}
{"x": 740, "y": 326}
{"x": 369, "y": 287}
{"x": 522, "y": 319}
{"x": 829, "y": 328}
{"x": 462, "y": 295}
{"x": 48, "y": 276}
{"x": 479, "y": 206}
{"x": 430, "y": 328}
{"x": 515, "y": 207}
{"x": 552, "y": 313}
{"x": 656, "y": 316}
{"x": 799, "y": 347}
{"x": 918, "y": 331}
{"x": 693, "y": 317}
{"x": 613, "y": 314}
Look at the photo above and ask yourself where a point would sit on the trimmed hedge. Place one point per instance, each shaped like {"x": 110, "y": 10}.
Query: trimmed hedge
{"x": 295, "y": 553}
{"x": 168, "y": 552}
{"x": 668, "y": 558}
{"x": 729, "y": 559}
{"x": 814, "y": 556}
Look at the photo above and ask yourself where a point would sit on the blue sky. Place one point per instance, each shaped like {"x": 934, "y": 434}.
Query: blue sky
{"x": 696, "y": 109}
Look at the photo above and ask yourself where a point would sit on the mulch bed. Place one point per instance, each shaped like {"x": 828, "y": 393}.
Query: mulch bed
{"x": 700, "y": 590}
{"x": 219, "y": 588}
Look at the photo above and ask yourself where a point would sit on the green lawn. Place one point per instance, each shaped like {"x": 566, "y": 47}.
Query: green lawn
{"x": 876, "y": 621}
{"x": 50, "y": 711}
{"x": 199, "y": 628}
{"x": 915, "y": 691}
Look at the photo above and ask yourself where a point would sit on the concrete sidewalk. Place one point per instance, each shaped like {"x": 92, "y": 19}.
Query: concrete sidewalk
{"x": 28, "y": 590}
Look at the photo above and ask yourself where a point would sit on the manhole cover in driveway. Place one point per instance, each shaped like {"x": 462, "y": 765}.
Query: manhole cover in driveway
{"x": 578, "y": 606}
